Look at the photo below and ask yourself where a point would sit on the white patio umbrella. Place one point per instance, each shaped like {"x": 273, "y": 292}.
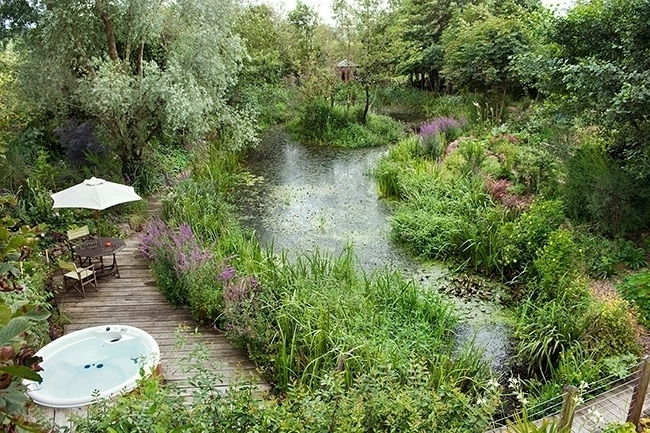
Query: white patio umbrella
{"x": 93, "y": 193}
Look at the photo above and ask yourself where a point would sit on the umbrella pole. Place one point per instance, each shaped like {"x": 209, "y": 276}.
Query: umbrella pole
{"x": 99, "y": 236}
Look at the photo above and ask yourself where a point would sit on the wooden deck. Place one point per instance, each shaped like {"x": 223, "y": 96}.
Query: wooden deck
{"x": 134, "y": 300}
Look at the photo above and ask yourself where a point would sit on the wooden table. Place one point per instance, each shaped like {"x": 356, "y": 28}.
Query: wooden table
{"x": 99, "y": 248}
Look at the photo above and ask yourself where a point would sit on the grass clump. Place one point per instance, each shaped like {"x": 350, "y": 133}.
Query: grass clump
{"x": 319, "y": 122}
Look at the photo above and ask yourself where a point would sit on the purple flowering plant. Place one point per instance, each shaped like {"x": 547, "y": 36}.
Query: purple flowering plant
{"x": 440, "y": 125}
{"x": 161, "y": 243}
{"x": 188, "y": 273}
{"x": 241, "y": 301}
{"x": 434, "y": 135}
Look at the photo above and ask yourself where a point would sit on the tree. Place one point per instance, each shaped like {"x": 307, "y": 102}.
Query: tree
{"x": 137, "y": 69}
{"x": 602, "y": 74}
{"x": 371, "y": 44}
{"x": 304, "y": 20}
{"x": 16, "y": 17}
{"x": 480, "y": 48}
{"x": 423, "y": 24}
{"x": 268, "y": 59}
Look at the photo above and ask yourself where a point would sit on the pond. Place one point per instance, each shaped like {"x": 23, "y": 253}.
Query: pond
{"x": 304, "y": 198}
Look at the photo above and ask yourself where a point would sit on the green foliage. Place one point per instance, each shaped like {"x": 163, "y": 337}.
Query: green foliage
{"x": 597, "y": 190}
{"x": 17, "y": 362}
{"x": 633, "y": 257}
{"x": 477, "y": 56}
{"x": 317, "y": 316}
{"x": 636, "y": 288}
{"x": 627, "y": 427}
{"x": 433, "y": 146}
{"x": 523, "y": 237}
{"x": 16, "y": 244}
{"x": 382, "y": 402}
{"x": 390, "y": 169}
{"x": 449, "y": 219}
{"x": 205, "y": 292}
{"x": 133, "y": 83}
{"x": 556, "y": 268}
{"x": 605, "y": 84}
{"x": 524, "y": 425}
{"x": 573, "y": 336}
{"x": 153, "y": 408}
{"x": 612, "y": 329}
{"x": 546, "y": 330}
{"x": 473, "y": 154}
{"x": 318, "y": 122}
{"x": 601, "y": 255}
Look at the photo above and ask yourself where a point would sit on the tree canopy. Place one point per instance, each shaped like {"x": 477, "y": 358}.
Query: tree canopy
{"x": 138, "y": 70}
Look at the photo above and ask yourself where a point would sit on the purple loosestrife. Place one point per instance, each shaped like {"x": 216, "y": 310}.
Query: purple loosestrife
{"x": 160, "y": 242}
{"x": 240, "y": 303}
{"x": 439, "y": 125}
{"x": 227, "y": 274}
{"x": 152, "y": 239}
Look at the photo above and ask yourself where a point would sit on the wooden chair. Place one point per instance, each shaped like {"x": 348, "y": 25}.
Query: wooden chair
{"x": 77, "y": 237}
{"x": 78, "y": 278}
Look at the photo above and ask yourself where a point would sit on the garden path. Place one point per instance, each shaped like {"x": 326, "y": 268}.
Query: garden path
{"x": 135, "y": 300}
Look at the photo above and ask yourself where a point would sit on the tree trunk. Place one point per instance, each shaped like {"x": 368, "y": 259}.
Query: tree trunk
{"x": 366, "y": 107}
{"x": 140, "y": 59}
{"x": 110, "y": 31}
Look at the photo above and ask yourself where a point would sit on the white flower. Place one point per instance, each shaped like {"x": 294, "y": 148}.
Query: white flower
{"x": 493, "y": 384}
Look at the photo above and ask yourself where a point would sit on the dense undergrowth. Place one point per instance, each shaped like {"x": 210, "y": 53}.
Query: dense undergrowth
{"x": 319, "y": 122}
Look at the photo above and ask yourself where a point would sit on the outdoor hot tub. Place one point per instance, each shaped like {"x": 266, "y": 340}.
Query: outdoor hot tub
{"x": 93, "y": 363}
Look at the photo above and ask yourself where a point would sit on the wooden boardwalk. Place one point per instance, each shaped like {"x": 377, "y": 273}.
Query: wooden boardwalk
{"x": 134, "y": 300}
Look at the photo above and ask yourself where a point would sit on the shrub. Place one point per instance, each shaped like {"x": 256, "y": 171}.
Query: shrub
{"x": 523, "y": 237}
{"x": 557, "y": 267}
{"x": 633, "y": 257}
{"x": 597, "y": 190}
{"x": 600, "y": 253}
{"x": 636, "y": 288}
{"x": 318, "y": 122}
{"x": 204, "y": 289}
{"x": 384, "y": 129}
{"x": 612, "y": 328}
{"x": 380, "y": 402}
{"x": 317, "y": 119}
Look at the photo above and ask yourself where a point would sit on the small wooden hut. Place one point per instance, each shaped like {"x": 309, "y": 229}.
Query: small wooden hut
{"x": 345, "y": 69}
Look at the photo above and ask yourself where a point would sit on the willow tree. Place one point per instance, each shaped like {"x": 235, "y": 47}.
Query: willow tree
{"x": 138, "y": 69}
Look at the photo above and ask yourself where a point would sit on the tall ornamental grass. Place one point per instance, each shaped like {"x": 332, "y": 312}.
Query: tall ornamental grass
{"x": 327, "y": 318}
